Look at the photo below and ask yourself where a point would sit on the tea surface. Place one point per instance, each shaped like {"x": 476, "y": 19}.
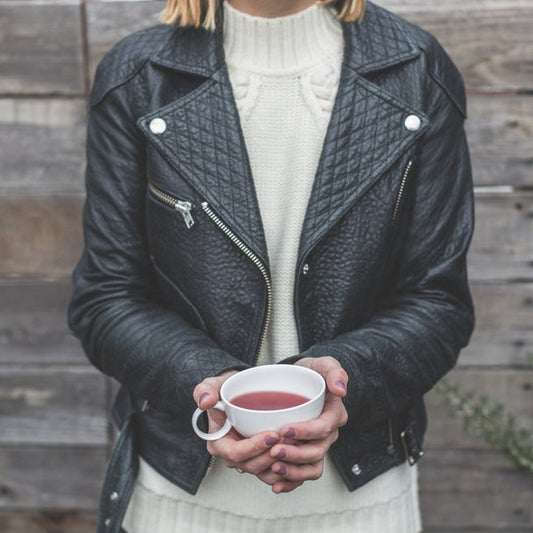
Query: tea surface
{"x": 268, "y": 400}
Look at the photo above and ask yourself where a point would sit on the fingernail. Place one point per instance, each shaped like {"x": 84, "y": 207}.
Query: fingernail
{"x": 281, "y": 454}
{"x": 281, "y": 470}
{"x": 270, "y": 440}
{"x": 203, "y": 396}
{"x": 290, "y": 433}
{"x": 341, "y": 384}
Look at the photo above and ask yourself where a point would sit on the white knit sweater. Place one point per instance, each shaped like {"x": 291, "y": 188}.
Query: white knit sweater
{"x": 284, "y": 73}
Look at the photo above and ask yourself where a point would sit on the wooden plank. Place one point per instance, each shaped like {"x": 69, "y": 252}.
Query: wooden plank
{"x": 41, "y": 47}
{"x": 33, "y": 324}
{"x": 512, "y": 388}
{"x": 109, "y": 22}
{"x": 474, "y": 489}
{"x": 502, "y": 246}
{"x": 34, "y": 133}
{"x": 489, "y": 41}
{"x": 59, "y": 478}
{"x": 503, "y": 334}
{"x": 48, "y": 521}
{"x": 499, "y": 134}
{"x": 53, "y": 406}
{"x": 39, "y": 236}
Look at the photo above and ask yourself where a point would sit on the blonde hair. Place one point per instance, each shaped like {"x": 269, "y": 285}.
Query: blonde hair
{"x": 203, "y": 12}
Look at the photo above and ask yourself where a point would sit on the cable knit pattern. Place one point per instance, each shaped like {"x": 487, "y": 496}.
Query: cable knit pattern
{"x": 284, "y": 73}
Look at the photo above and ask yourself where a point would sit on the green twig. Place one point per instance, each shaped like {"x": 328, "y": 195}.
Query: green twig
{"x": 490, "y": 422}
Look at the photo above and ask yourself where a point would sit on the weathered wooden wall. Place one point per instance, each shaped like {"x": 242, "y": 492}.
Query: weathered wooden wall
{"x": 54, "y": 430}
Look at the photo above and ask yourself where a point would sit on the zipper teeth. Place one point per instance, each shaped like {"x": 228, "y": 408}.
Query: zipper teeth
{"x": 402, "y": 188}
{"x": 257, "y": 262}
{"x": 165, "y": 198}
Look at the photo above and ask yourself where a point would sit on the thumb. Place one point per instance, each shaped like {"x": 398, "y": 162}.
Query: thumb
{"x": 207, "y": 393}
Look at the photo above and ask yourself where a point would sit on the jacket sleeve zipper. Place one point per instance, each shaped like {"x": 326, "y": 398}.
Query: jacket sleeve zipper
{"x": 183, "y": 207}
{"x": 401, "y": 191}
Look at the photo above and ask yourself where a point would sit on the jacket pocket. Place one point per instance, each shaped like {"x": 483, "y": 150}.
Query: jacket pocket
{"x": 183, "y": 207}
{"x": 174, "y": 298}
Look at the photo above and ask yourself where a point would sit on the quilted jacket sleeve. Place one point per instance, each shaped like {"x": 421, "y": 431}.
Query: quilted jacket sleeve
{"x": 416, "y": 334}
{"x": 151, "y": 350}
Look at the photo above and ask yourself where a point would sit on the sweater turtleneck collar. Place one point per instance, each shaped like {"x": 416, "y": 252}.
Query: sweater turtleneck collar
{"x": 290, "y": 43}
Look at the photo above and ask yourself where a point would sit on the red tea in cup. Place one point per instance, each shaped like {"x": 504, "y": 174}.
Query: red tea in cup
{"x": 268, "y": 400}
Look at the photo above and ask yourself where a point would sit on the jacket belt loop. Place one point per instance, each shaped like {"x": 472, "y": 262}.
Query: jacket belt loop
{"x": 412, "y": 446}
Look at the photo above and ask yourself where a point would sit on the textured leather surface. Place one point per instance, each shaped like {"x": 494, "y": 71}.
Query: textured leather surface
{"x": 159, "y": 306}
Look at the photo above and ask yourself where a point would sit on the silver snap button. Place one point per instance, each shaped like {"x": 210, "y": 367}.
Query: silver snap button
{"x": 114, "y": 496}
{"x": 412, "y": 123}
{"x": 158, "y": 126}
{"x": 356, "y": 470}
{"x": 305, "y": 269}
{"x": 107, "y": 522}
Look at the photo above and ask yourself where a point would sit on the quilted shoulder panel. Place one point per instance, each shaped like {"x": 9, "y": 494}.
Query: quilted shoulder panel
{"x": 125, "y": 59}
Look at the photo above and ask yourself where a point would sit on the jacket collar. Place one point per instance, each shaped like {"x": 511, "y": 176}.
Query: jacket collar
{"x": 214, "y": 158}
{"x": 376, "y": 44}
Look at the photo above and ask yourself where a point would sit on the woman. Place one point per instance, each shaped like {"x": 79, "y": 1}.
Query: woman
{"x": 288, "y": 183}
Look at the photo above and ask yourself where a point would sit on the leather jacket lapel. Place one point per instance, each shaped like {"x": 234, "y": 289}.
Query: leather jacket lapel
{"x": 366, "y": 133}
{"x": 203, "y": 138}
{"x": 365, "y": 136}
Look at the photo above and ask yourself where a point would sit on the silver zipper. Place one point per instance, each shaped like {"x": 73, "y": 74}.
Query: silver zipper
{"x": 262, "y": 268}
{"x": 402, "y": 189}
{"x": 183, "y": 207}
{"x": 257, "y": 262}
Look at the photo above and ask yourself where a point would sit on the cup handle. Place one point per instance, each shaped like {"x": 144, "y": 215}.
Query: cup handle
{"x": 216, "y": 434}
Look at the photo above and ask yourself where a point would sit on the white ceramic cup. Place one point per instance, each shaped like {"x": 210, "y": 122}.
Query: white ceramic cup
{"x": 276, "y": 378}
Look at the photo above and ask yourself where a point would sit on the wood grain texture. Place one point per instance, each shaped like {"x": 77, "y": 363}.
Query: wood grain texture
{"x": 33, "y": 324}
{"x": 53, "y": 406}
{"x": 500, "y": 135}
{"x": 48, "y": 522}
{"x": 50, "y": 478}
{"x": 474, "y": 489}
{"x": 39, "y": 236}
{"x": 43, "y": 145}
{"x": 503, "y": 335}
{"x": 489, "y": 41}
{"x": 41, "y": 47}
{"x": 502, "y": 246}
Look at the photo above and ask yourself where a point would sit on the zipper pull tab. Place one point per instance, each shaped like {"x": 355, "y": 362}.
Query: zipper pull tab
{"x": 184, "y": 208}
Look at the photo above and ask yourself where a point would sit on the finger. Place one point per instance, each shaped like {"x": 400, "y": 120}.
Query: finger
{"x": 310, "y": 452}
{"x": 268, "y": 477}
{"x": 332, "y": 417}
{"x": 285, "y": 486}
{"x": 261, "y": 463}
{"x": 237, "y": 451}
{"x": 331, "y": 370}
{"x": 207, "y": 393}
{"x": 299, "y": 473}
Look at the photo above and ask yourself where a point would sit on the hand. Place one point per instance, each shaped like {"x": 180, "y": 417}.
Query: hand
{"x": 246, "y": 455}
{"x": 300, "y": 455}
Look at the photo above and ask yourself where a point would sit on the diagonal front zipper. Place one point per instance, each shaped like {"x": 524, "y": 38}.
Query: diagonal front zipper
{"x": 183, "y": 207}
{"x": 401, "y": 191}
{"x": 264, "y": 272}
{"x": 256, "y": 261}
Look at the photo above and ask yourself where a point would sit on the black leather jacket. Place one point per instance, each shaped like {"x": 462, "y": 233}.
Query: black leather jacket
{"x": 174, "y": 285}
